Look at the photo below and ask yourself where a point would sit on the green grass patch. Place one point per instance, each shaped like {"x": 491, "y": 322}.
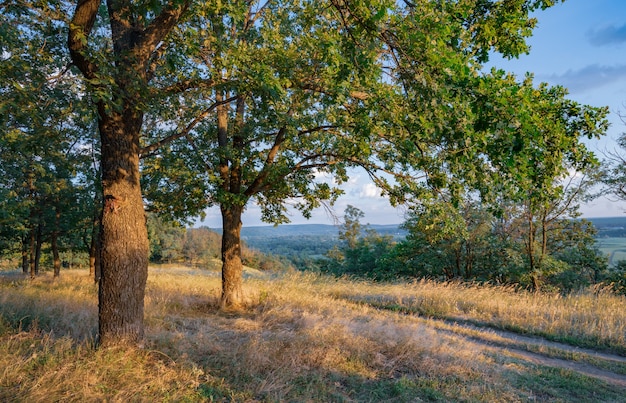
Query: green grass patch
{"x": 614, "y": 248}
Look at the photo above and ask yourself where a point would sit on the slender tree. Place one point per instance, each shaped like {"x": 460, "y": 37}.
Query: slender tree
{"x": 614, "y": 175}
{"x": 535, "y": 146}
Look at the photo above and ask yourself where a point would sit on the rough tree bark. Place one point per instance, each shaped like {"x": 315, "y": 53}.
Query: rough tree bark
{"x": 123, "y": 237}
{"x": 38, "y": 245}
{"x": 31, "y": 252}
{"x": 530, "y": 248}
{"x": 230, "y": 171}
{"x": 124, "y": 248}
{"x": 232, "y": 266}
{"x": 25, "y": 242}
{"x": 54, "y": 236}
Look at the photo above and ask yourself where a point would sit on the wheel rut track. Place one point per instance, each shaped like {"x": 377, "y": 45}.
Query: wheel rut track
{"x": 520, "y": 346}
{"x": 517, "y": 346}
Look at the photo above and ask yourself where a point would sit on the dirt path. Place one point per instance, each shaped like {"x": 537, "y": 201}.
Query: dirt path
{"x": 607, "y": 367}
{"x": 538, "y": 350}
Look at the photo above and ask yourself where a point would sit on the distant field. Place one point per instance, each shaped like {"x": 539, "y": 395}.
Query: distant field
{"x": 614, "y": 247}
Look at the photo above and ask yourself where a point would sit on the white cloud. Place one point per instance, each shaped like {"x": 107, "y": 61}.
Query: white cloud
{"x": 353, "y": 179}
{"x": 370, "y": 191}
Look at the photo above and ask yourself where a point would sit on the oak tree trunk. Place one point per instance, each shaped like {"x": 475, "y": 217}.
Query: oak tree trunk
{"x": 232, "y": 266}
{"x": 530, "y": 248}
{"x": 31, "y": 248}
{"x": 544, "y": 238}
{"x": 38, "y": 245}
{"x": 54, "y": 236}
{"x": 123, "y": 236}
{"x": 531, "y": 245}
{"x": 25, "y": 255}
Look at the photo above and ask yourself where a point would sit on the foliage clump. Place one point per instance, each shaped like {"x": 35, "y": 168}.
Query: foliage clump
{"x": 470, "y": 243}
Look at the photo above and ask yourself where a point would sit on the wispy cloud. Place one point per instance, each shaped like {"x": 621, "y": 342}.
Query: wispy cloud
{"x": 589, "y": 77}
{"x": 607, "y": 36}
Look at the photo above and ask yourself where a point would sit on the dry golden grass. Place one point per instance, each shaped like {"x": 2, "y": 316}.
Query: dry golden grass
{"x": 40, "y": 368}
{"x": 594, "y": 318}
{"x": 292, "y": 338}
{"x": 67, "y": 305}
{"x": 47, "y": 330}
{"x": 300, "y": 337}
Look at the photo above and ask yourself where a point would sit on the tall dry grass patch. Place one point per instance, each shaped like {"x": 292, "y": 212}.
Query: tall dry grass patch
{"x": 594, "y": 317}
{"x": 296, "y": 340}
{"x": 47, "y": 353}
{"x": 299, "y": 337}
{"x": 66, "y": 306}
{"x": 37, "y": 367}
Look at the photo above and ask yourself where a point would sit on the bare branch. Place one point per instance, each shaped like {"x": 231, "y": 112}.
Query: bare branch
{"x": 185, "y": 85}
{"x": 316, "y": 87}
{"x": 61, "y": 73}
{"x": 257, "y": 14}
{"x": 318, "y": 129}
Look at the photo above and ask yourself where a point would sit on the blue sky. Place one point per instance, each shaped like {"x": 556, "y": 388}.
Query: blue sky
{"x": 579, "y": 44}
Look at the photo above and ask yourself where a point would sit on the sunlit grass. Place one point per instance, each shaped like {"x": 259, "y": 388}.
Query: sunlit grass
{"x": 66, "y": 305}
{"x": 593, "y": 318}
{"x": 299, "y": 337}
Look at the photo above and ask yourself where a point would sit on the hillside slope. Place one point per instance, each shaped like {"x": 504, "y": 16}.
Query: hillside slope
{"x": 305, "y": 337}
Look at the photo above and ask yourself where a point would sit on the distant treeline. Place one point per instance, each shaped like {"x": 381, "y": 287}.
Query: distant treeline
{"x": 476, "y": 246}
{"x": 610, "y": 227}
{"x": 300, "y": 246}
{"x": 312, "y": 240}
{"x": 200, "y": 247}
{"x": 305, "y": 240}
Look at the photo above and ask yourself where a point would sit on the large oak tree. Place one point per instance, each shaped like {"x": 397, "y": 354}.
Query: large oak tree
{"x": 279, "y": 93}
{"x": 118, "y": 67}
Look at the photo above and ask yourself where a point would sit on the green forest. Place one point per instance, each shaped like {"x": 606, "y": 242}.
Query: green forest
{"x": 122, "y": 122}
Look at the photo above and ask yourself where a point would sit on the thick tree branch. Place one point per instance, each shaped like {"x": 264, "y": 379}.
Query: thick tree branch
{"x": 79, "y": 30}
{"x": 222, "y": 139}
{"x": 154, "y": 33}
{"x": 259, "y": 181}
{"x": 146, "y": 151}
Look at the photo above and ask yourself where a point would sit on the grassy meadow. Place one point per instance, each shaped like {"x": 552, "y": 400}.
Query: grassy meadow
{"x": 307, "y": 338}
